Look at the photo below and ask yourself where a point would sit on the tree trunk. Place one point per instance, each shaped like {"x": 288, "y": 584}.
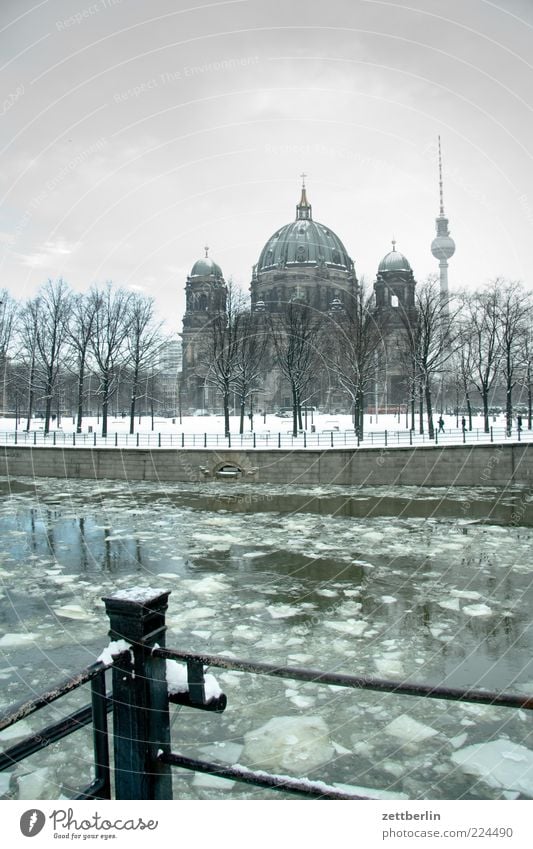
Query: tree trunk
{"x": 226, "y": 412}
{"x": 469, "y": 408}
{"x": 134, "y": 387}
{"x": 420, "y": 411}
{"x": 361, "y": 415}
{"x": 105, "y": 403}
{"x": 81, "y": 379}
{"x": 429, "y": 410}
{"x": 30, "y": 394}
{"x": 485, "y": 399}
{"x": 509, "y": 397}
{"x": 356, "y": 421}
{"x": 529, "y": 404}
{"x": 294, "y": 411}
{"x": 242, "y": 414}
{"x": 48, "y": 406}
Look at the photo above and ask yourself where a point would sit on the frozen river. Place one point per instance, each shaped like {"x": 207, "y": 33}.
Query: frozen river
{"x": 432, "y": 586}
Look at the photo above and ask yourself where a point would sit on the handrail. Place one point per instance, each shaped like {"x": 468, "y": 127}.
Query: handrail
{"x": 358, "y": 682}
{"x": 22, "y": 709}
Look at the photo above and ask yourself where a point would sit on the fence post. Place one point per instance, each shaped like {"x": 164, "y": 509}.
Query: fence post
{"x": 385, "y": 439}
{"x": 141, "y": 723}
{"x": 491, "y": 434}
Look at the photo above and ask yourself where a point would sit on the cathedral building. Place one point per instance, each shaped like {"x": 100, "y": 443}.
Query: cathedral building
{"x": 306, "y": 261}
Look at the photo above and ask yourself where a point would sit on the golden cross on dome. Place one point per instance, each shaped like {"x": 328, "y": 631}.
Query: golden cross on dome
{"x": 206, "y": 249}
{"x": 303, "y": 176}
{"x": 394, "y": 244}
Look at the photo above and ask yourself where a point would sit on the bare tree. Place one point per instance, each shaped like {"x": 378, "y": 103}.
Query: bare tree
{"x": 463, "y": 360}
{"x": 219, "y": 354}
{"x": 55, "y": 301}
{"x": 108, "y": 339}
{"x": 8, "y": 309}
{"x": 353, "y": 348}
{"x": 514, "y": 313}
{"x": 251, "y": 348}
{"x": 144, "y": 342}
{"x": 80, "y": 333}
{"x": 431, "y": 339}
{"x": 482, "y": 325}
{"x": 527, "y": 369}
{"x": 295, "y": 332}
{"x": 28, "y": 322}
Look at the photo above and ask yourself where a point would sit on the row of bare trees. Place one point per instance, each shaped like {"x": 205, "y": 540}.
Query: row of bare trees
{"x": 109, "y": 333}
{"x": 480, "y": 342}
{"x": 476, "y": 343}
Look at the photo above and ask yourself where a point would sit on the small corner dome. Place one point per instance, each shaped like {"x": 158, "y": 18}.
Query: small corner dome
{"x": 394, "y": 261}
{"x": 205, "y": 267}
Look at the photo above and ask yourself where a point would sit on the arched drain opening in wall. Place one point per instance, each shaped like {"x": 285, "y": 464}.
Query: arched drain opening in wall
{"x": 229, "y": 471}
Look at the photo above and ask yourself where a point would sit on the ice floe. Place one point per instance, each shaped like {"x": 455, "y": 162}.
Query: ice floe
{"x": 287, "y": 743}
{"x": 477, "y": 610}
{"x": 409, "y": 730}
{"x": 22, "y": 638}
{"x": 499, "y": 763}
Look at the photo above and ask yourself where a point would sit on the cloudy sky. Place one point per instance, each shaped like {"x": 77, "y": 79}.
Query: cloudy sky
{"x": 133, "y": 133}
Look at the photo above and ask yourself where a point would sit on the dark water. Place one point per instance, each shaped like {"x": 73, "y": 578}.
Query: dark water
{"x": 404, "y": 583}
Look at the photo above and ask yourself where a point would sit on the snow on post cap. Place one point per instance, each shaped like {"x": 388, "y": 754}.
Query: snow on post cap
{"x": 141, "y": 595}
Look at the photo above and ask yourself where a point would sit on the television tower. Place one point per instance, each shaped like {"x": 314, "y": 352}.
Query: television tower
{"x": 442, "y": 246}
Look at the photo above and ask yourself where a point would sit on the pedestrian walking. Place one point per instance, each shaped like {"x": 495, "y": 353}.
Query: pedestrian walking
{"x": 441, "y": 425}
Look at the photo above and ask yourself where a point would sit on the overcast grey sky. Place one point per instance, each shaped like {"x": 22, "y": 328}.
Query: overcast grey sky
{"x": 133, "y": 133}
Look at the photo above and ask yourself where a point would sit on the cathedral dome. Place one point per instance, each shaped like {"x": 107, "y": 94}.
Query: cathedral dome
{"x": 394, "y": 261}
{"x": 304, "y": 243}
{"x": 205, "y": 267}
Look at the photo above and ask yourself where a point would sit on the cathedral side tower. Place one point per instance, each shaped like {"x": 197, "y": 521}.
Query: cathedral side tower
{"x": 205, "y": 297}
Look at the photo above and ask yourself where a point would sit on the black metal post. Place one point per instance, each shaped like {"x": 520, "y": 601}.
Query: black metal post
{"x": 141, "y": 725}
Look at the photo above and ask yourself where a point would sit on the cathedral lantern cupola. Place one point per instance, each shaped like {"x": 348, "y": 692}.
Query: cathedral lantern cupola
{"x": 304, "y": 208}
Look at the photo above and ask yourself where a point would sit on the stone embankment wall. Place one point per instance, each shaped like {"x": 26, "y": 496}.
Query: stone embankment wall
{"x": 462, "y": 465}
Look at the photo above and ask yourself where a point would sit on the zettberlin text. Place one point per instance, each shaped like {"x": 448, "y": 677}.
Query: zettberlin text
{"x": 407, "y": 815}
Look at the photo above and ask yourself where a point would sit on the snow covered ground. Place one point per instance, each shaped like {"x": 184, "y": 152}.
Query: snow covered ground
{"x": 320, "y": 431}
{"x": 438, "y": 598}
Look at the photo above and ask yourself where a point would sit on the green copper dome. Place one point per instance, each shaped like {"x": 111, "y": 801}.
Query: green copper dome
{"x": 394, "y": 261}
{"x": 304, "y": 242}
{"x": 205, "y": 267}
